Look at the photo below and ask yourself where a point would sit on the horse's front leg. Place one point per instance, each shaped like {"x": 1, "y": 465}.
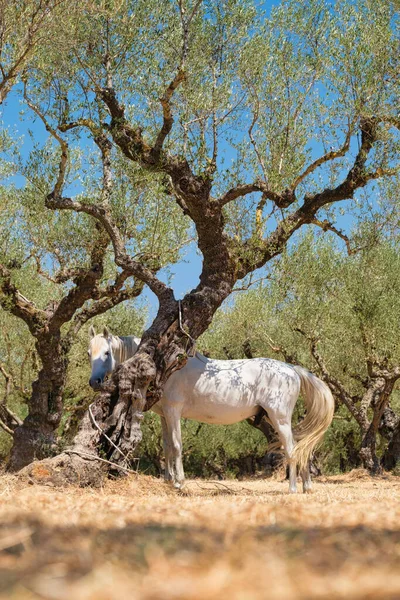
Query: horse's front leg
{"x": 173, "y": 420}
{"x": 169, "y": 466}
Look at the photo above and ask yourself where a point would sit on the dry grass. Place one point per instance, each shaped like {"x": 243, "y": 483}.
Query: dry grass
{"x": 241, "y": 540}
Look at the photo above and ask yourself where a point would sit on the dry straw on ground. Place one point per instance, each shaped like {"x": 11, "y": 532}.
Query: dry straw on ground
{"x": 137, "y": 538}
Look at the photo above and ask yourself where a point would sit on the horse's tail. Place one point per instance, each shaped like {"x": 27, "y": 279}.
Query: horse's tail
{"x": 320, "y": 407}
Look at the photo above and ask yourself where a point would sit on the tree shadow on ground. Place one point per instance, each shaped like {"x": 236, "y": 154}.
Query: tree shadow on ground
{"x": 32, "y": 551}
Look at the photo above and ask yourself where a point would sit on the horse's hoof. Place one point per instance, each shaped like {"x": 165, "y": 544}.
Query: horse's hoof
{"x": 181, "y": 488}
{"x": 292, "y": 491}
{"x": 307, "y": 491}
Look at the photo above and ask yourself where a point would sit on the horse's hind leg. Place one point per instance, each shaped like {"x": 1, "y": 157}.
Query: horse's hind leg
{"x": 283, "y": 428}
{"x": 306, "y": 479}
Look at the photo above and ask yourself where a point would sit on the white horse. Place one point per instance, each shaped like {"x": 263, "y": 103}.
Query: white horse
{"x": 225, "y": 392}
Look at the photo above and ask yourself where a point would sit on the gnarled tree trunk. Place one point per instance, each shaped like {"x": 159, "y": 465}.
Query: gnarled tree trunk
{"x": 35, "y": 437}
{"x": 115, "y": 416}
{"x": 381, "y": 389}
{"x": 390, "y": 429}
{"x": 391, "y": 458}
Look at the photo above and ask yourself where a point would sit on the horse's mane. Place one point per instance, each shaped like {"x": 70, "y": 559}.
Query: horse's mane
{"x": 124, "y": 347}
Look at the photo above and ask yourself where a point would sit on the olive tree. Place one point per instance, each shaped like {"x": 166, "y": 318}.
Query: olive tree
{"x": 255, "y": 126}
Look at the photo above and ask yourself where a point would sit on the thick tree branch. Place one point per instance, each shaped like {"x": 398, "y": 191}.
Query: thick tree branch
{"x": 392, "y": 374}
{"x": 110, "y": 297}
{"x": 280, "y": 200}
{"x": 168, "y": 120}
{"x": 191, "y": 191}
{"x": 357, "y": 177}
{"x": 101, "y": 213}
{"x": 86, "y": 285}
{"x": 87, "y": 280}
{"x": 129, "y": 139}
{"x": 13, "y": 301}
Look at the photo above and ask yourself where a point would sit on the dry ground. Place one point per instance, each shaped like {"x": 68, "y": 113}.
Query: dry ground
{"x": 136, "y": 538}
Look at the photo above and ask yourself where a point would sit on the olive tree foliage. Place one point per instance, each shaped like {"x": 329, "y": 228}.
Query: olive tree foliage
{"x": 254, "y": 126}
{"x": 337, "y": 314}
{"x": 27, "y": 29}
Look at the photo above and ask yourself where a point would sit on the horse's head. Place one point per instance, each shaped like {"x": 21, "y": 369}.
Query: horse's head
{"x": 101, "y": 356}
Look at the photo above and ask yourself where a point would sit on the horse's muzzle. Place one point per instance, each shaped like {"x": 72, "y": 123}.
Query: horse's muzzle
{"x": 95, "y": 382}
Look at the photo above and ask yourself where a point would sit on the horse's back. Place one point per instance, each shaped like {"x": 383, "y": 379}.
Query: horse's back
{"x": 229, "y": 391}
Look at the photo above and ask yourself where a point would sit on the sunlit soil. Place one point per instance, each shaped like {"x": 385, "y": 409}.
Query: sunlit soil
{"x": 137, "y": 538}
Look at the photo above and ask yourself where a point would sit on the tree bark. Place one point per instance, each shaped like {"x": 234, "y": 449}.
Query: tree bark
{"x": 35, "y": 438}
{"x": 390, "y": 429}
{"x": 391, "y": 458}
{"x": 381, "y": 389}
{"x": 89, "y": 458}
{"x": 368, "y": 456}
{"x": 136, "y": 386}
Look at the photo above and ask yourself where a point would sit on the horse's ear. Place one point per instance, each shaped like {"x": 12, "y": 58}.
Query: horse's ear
{"x": 92, "y": 332}
{"x": 106, "y": 332}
